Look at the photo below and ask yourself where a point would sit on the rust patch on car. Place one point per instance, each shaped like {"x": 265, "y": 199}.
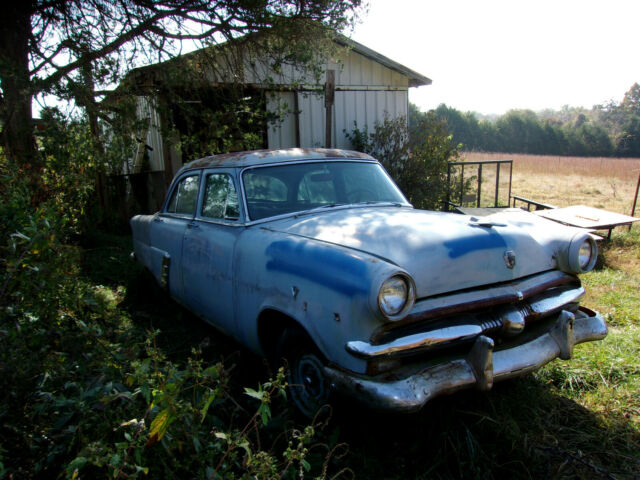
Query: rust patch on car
{"x": 256, "y": 157}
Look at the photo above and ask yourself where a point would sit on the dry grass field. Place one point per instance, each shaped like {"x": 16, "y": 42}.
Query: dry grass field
{"x": 607, "y": 183}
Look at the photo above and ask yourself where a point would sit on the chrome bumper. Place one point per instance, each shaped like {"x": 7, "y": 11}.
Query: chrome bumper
{"x": 480, "y": 368}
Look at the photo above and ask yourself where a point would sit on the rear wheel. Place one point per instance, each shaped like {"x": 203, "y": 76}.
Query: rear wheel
{"x": 308, "y": 386}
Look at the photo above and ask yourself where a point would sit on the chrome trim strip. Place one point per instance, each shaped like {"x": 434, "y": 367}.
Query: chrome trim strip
{"x": 549, "y": 301}
{"x": 479, "y": 369}
{"x": 516, "y": 290}
{"x": 418, "y": 341}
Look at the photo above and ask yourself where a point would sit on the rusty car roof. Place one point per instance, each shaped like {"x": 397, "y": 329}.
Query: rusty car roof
{"x": 263, "y": 157}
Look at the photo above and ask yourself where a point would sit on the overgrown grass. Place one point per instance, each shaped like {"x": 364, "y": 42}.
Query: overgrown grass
{"x": 599, "y": 167}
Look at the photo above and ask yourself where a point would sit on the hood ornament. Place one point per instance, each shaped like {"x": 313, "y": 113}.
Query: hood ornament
{"x": 510, "y": 258}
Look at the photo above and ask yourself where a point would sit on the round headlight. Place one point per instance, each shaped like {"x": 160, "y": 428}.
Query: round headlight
{"x": 396, "y": 297}
{"x": 581, "y": 254}
{"x": 584, "y": 255}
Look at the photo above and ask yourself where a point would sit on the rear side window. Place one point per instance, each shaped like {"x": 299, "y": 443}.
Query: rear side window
{"x": 220, "y": 197}
{"x": 185, "y": 196}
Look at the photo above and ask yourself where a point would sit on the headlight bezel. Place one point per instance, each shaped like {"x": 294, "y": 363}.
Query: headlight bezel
{"x": 409, "y": 301}
{"x": 578, "y": 242}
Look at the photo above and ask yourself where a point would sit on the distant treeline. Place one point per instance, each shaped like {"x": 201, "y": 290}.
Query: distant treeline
{"x": 606, "y": 130}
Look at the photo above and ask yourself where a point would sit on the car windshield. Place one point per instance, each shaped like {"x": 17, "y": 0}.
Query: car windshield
{"x": 276, "y": 190}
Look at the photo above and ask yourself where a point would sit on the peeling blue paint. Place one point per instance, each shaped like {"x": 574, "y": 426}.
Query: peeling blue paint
{"x": 480, "y": 240}
{"x": 329, "y": 267}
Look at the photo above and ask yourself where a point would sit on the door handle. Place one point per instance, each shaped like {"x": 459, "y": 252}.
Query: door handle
{"x": 158, "y": 220}
{"x": 193, "y": 225}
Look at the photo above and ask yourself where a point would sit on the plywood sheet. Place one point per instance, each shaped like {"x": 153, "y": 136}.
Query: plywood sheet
{"x": 587, "y": 217}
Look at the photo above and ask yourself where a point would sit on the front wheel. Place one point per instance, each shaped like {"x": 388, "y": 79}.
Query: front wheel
{"x": 308, "y": 386}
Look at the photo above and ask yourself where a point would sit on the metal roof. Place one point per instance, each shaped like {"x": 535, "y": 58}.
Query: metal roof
{"x": 415, "y": 79}
{"x": 263, "y": 157}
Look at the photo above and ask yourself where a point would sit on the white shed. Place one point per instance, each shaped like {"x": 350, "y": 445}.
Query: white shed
{"x": 360, "y": 87}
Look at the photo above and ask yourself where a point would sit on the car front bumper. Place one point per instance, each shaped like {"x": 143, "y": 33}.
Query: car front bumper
{"x": 480, "y": 368}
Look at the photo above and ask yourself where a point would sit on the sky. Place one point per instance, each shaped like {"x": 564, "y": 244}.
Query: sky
{"x": 495, "y": 55}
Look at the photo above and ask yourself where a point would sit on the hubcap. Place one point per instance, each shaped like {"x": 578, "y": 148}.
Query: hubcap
{"x": 308, "y": 387}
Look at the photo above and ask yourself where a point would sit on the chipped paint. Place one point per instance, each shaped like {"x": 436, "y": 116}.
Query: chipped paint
{"x": 333, "y": 268}
{"x": 480, "y": 240}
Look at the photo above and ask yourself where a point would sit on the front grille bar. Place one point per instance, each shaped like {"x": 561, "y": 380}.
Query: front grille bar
{"x": 509, "y": 320}
{"x": 430, "y": 309}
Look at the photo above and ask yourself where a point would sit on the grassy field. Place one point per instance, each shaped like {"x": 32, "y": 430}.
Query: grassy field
{"x": 573, "y": 419}
{"x": 562, "y": 181}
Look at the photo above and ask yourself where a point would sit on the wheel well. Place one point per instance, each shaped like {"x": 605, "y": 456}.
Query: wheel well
{"x": 271, "y": 326}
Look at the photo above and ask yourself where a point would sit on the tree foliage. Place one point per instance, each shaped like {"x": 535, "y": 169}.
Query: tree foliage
{"x": 78, "y": 49}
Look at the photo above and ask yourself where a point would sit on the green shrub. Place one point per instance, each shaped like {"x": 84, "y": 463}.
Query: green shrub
{"x": 415, "y": 157}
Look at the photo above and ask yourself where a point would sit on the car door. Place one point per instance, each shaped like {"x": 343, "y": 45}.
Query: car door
{"x": 168, "y": 229}
{"x": 209, "y": 244}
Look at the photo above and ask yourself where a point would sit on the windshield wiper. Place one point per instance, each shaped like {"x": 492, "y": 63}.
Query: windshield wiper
{"x": 321, "y": 207}
{"x": 380, "y": 202}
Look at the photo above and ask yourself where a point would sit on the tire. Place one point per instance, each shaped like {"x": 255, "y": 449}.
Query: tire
{"x": 309, "y": 389}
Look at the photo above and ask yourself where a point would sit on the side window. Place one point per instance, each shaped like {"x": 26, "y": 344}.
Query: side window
{"x": 185, "y": 196}
{"x": 220, "y": 197}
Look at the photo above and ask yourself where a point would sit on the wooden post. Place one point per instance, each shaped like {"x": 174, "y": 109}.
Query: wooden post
{"x": 446, "y": 205}
{"x": 329, "y": 96}
{"x": 296, "y": 116}
{"x": 479, "y": 185}
{"x": 495, "y": 204}
{"x": 635, "y": 200}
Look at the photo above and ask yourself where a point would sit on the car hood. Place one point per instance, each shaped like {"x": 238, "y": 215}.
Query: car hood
{"x": 443, "y": 252}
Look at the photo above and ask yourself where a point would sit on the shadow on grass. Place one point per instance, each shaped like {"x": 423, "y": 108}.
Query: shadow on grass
{"x": 520, "y": 429}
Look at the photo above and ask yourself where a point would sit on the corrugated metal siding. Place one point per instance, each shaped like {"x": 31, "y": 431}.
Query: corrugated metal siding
{"x": 312, "y": 120}
{"x": 282, "y": 134}
{"x": 356, "y": 70}
{"x": 363, "y": 108}
{"x": 352, "y": 69}
{"x": 366, "y": 91}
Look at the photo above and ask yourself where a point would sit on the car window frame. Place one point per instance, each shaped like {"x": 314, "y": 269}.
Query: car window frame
{"x": 176, "y": 183}
{"x": 232, "y": 173}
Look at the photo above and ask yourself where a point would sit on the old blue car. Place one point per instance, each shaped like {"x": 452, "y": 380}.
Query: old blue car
{"x": 315, "y": 256}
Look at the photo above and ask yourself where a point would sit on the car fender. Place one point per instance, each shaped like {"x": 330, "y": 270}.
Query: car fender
{"x": 323, "y": 287}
